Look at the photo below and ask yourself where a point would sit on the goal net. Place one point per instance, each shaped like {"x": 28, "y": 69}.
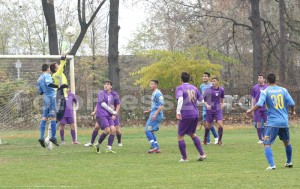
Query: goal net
{"x": 20, "y": 105}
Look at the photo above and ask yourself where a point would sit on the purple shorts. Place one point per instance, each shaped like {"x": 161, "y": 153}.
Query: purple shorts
{"x": 117, "y": 121}
{"x": 260, "y": 115}
{"x": 67, "y": 120}
{"x": 104, "y": 122}
{"x": 187, "y": 126}
{"x": 210, "y": 115}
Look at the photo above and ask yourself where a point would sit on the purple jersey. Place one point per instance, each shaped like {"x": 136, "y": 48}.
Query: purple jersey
{"x": 190, "y": 96}
{"x": 102, "y": 97}
{"x": 69, "y": 104}
{"x": 255, "y": 92}
{"x": 114, "y": 100}
{"x": 213, "y": 97}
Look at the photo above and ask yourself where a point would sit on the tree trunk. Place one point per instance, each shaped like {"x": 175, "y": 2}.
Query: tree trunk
{"x": 256, "y": 40}
{"x": 78, "y": 40}
{"x": 282, "y": 43}
{"x": 49, "y": 12}
{"x": 113, "y": 52}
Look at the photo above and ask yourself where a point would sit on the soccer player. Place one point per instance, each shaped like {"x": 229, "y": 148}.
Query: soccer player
{"x": 187, "y": 112}
{"x": 59, "y": 78}
{"x": 214, "y": 102}
{"x": 260, "y": 115}
{"x": 277, "y": 100}
{"x": 114, "y": 103}
{"x": 105, "y": 117}
{"x": 156, "y": 116}
{"x": 69, "y": 118}
{"x": 46, "y": 87}
{"x": 203, "y": 87}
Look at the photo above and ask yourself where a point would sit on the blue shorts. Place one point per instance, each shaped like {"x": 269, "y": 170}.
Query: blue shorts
{"x": 153, "y": 125}
{"x": 204, "y": 116}
{"x": 272, "y": 132}
{"x": 49, "y": 108}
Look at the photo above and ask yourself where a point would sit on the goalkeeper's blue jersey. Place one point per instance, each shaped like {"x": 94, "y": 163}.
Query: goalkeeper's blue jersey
{"x": 277, "y": 100}
{"x": 44, "y": 80}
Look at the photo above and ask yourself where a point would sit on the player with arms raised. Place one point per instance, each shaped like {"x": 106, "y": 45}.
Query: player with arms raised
{"x": 187, "y": 113}
{"x": 277, "y": 100}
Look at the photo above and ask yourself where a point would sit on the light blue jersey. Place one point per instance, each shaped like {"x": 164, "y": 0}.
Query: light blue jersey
{"x": 157, "y": 100}
{"x": 203, "y": 87}
{"x": 44, "y": 80}
{"x": 277, "y": 100}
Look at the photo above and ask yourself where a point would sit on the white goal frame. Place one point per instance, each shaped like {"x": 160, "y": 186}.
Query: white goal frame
{"x": 72, "y": 71}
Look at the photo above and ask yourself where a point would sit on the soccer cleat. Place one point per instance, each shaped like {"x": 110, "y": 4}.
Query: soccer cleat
{"x": 42, "y": 142}
{"x": 220, "y": 143}
{"x": 120, "y": 144}
{"x": 260, "y": 142}
{"x": 158, "y": 151}
{"x": 63, "y": 142}
{"x": 151, "y": 151}
{"x": 208, "y": 143}
{"x": 271, "y": 168}
{"x": 110, "y": 151}
{"x": 75, "y": 142}
{"x": 204, "y": 142}
{"x": 216, "y": 141}
{"x": 183, "y": 160}
{"x": 201, "y": 157}
{"x": 88, "y": 144}
{"x": 97, "y": 148}
{"x": 54, "y": 141}
{"x": 289, "y": 165}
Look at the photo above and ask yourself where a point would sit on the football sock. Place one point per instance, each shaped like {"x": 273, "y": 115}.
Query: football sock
{"x": 220, "y": 132}
{"x": 119, "y": 138}
{"x": 259, "y": 133}
{"x": 42, "y": 128}
{"x": 182, "y": 146}
{"x": 53, "y": 128}
{"x": 197, "y": 143}
{"x": 111, "y": 139}
{"x": 102, "y": 137}
{"x": 73, "y": 134}
{"x": 206, "y": 134}
{"x": 62, "y": 135}
{"x": 150, "y": 138}
{"x": 288, "y": 151}
{"x": 94, "y": 135}
{"x": 269, "y": 155}
{"x": 155, "y": 141}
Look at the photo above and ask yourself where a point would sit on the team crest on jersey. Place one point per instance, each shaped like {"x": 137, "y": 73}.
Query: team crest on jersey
{"x": 217, "y": 94}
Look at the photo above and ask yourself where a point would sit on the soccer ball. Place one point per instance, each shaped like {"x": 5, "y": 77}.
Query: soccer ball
{"x": 70, "y": 31}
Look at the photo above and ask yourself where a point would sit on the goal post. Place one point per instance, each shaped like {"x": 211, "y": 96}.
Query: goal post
{"x": 33, "y": 73}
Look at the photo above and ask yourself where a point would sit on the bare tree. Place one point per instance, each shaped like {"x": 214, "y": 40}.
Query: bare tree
{"x": 282, "y": 42}
{"x": 256, "y": 39}
{"x": 49, "y": 12}
{"x": 84, "y": 24}
{"x": 113, "y": 52}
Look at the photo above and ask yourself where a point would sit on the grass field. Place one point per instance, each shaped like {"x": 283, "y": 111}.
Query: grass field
{"x": 240, "y": 163}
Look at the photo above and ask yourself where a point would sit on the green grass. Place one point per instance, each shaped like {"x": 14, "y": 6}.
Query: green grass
{"x": 240, "y": 163}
